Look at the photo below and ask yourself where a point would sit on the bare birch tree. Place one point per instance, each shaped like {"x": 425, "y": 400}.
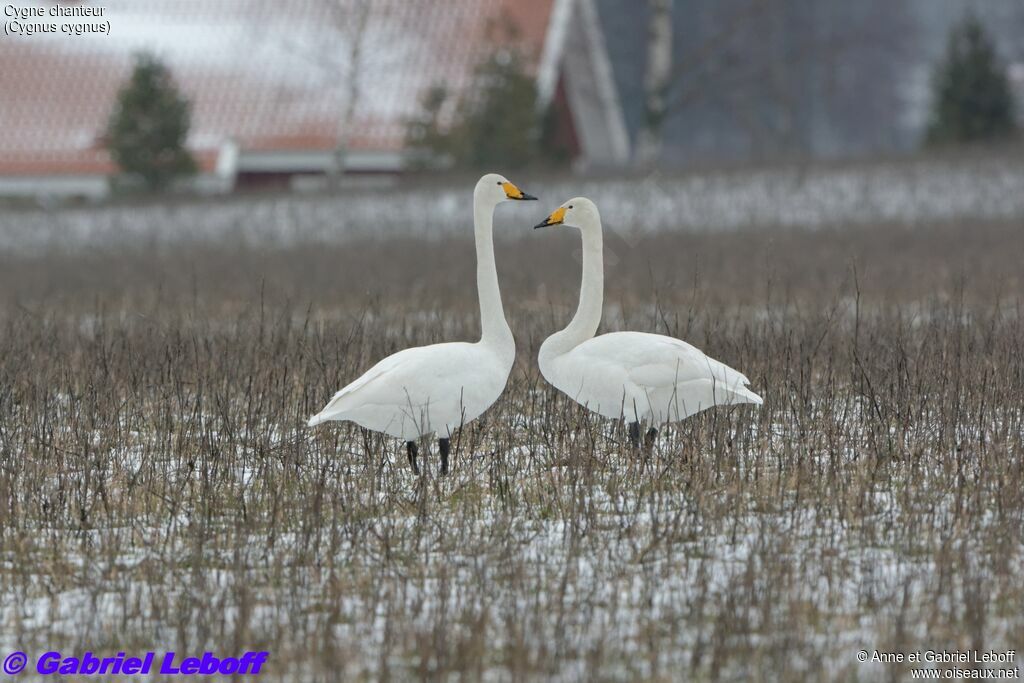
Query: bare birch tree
{"x": 657, "y": 80}
{"x": 350, "y": 18}
{"x": 333, "y": 41}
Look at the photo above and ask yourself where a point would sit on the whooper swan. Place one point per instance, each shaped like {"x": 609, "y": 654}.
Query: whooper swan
{"x": 438, "y": 388}
{"x": 646, "y": 378}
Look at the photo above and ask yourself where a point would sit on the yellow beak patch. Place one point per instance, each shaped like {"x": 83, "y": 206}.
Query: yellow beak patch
{"x": 556, "y": 217}
{"x": 511, "y": 191}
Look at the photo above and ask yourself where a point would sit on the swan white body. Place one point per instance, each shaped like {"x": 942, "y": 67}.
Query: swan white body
{"x": 438, "y": 388}
{"x": 643, "y": 377}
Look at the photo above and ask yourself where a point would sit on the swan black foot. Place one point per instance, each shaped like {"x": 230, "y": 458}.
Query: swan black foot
{"x": 445, "y": 446}
{"x": 411, "y": 450}
{"x": 634, "y": 434}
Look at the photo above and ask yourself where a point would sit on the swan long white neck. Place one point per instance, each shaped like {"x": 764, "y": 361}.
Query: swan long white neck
{"x": 495, "y": 331}
{"x": 588, "y": 314}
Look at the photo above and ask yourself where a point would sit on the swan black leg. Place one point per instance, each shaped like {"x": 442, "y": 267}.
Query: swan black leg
{"x": 411, "y": 450}
{"x": 445, "y": 445}
{"x": 649, "y": 439}
{"x": 634, "y": 434}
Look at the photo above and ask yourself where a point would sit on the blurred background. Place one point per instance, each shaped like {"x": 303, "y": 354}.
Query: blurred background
{"x": 234, "y": 97}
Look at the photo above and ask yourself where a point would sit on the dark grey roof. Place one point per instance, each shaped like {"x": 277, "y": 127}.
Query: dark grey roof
{"x": 795, "y": 78}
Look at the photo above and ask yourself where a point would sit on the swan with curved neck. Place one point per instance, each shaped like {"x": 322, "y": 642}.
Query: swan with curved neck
{"x": 645, "y": 378}
{"x": 438, "y": 388}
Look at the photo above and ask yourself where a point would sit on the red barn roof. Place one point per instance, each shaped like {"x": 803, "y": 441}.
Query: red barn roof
{"x": 266, "y": 74}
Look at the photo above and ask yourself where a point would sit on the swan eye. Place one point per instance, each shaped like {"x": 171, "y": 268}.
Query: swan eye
{"x": 570, "y": 206}
{"x": 500, "y": 183}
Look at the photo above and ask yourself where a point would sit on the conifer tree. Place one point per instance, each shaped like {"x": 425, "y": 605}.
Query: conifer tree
{"x": 972, "y": 100}
{"x": 148, "y": 128}
{"x": 496, "y": 125}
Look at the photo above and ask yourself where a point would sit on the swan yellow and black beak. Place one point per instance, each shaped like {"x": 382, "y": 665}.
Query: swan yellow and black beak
{"x": 556, "y": 218}
{"x": 513, "y": 192}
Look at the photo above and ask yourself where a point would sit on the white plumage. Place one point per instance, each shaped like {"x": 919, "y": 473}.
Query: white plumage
{"x": 423, "y": 390}
{"x": 642, "y": 377}
{"x": 438, "y": 388}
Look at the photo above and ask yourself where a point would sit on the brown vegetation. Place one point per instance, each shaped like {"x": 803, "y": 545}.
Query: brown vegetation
{"x": 158, "y": 487}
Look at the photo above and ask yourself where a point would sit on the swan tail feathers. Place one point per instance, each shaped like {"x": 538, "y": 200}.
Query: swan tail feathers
{"x": 745, "y": 395}
{"x": 330, "y": 412}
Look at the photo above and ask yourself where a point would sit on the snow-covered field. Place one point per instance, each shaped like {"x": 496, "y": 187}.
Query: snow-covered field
{"x": 180, "y": 504}
{"x": 159, "y": 489}
{"x": 606, "y": 569}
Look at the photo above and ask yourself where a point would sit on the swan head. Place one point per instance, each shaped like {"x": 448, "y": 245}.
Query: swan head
{"x": 578, "y": 212}
{"x": 497, "y": 188}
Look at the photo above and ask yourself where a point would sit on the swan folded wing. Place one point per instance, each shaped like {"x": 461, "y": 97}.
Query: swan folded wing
{"x": 408, "y": 382}
{"x": 378, "y": 372}
{"x": 654, "y": 361}
{"x": 695, "y": 390}
{"x": 674, "y": 371}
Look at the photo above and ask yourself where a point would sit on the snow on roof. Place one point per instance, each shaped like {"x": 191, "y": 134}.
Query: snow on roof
{"x": 267, "y": 74}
